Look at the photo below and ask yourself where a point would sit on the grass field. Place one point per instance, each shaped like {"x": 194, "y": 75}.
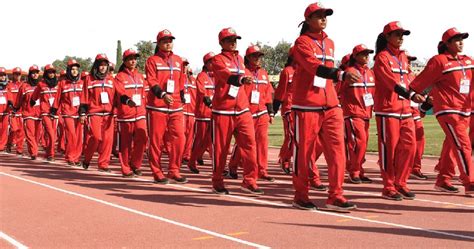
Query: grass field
{"x": 433, "y": 134}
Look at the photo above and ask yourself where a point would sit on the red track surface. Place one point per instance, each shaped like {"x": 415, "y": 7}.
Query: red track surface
{"x": 47, "y": 205}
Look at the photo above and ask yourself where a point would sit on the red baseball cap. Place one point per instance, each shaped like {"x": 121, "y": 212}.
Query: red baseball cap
{"x": 452, "y": 32}
{"x": 208, "y": 57}
{"x": 16, "y": 70}
{"x": 228, "y": 32}
{"x": 253, "y": 49}
{"x": 185, "y": 61}
{"x": 395, "y": 25}
{"x": 164, "y": 34}
{"x": 129, "y": 52}
{"x": 345, "y": 59}
{"x": 100, "y": 57}
{"x": 84, "y": 74}
{"x": 72, "y": 62}
{"x": 361, "y": 48}
{"x": 3, "y": 70}
{"x": 316, "y": 7}
{"x": 410, "y": 57}
{"x": 49, "y": 67}
{"x": 63, "y": 72}
{"x": 34, "y": 68}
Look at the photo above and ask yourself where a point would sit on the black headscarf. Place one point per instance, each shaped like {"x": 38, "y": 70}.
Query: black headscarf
{"x": 31, "y": 81}
{"x": 95, "y": 70}
{"x": 51, "y": 82}
{"x": 69, "y": 74}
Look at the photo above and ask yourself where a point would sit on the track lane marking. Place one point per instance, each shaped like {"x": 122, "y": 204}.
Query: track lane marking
{"x": 12, "y": 241}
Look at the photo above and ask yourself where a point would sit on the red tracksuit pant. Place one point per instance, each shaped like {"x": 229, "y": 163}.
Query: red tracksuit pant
{"x": 357, "y": 134}
{"x": 202, "y": 141}
{"x": 50, "y": 126}
{"x": 132, "y": 141}
{"x": 286, "y": 150}
{"x": 99, "y": 138}
{"x": 73, "y": 133}
{"x": 308, "y": 125}
{"x": 397, "y": 147}
{"x": 261, "y": 139}
{"x": 32, "y": 130}
{"x": 4, "y": 125}
{"x": 61, "y": 135}
{"x": 241, "y": 126}
{"x": 318, "y": 149}
{"x": 457, "y": 149}
{"x": 189, "y": 135}
{"x": 420, "y": 144}
{"x": 17, "y": 133}
{"x": 162, "y": 127}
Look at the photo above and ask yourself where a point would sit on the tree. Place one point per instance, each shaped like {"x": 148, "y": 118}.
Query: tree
{"x": 275, "y": 58}
{"x": 118, "y": 60}
{"x": 86, "y": 63}
{"x": 145, "y": 49}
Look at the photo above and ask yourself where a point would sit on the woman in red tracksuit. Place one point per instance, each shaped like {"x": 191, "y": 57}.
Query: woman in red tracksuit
{"x": 67, "y": 101}
{"x": 5, "y": 105}
{"x": 357, "y": 103}
{"x": 30, "y": 114}
{"x": 131, "y": 114}
{"x": 259, "y": 95}
{"x": 205, "y": 92}
{"x": 450, "y": 75}
{"x": 45, "y": 92}
{"x": 190, "y": 90}
{"x": 316, "y": 110}
{"x": 17, "y": 133}
{"x": 231, "y": 115}
{"x": 165, "y": 108}
{"x": 97, "y": 99}
{"x": 395, "y": 126}
{"x": 283, "y": 98}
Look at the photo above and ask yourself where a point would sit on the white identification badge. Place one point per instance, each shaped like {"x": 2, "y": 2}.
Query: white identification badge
{"x": 76, "y": 101}
{"x": 37, "y": 103}
{"x": 51, "y": 101}
{"x": 3, "y": 100}
{"x": 187, "y": 98}
{"x": 413, "y": 104}
{"x": 255, "y": 97}
{"x": 104, "y": 98}
{"x": 233, "y": 91}
{"x": 404, "y": 86}
{"x": 170, "y": 86}
{"x": 465, "y": 86}
{"x": 319, "y": 82}
{"x": 137, "y": 98}
{"x": 368, "y": 100}
{"x": 212, "y": 96}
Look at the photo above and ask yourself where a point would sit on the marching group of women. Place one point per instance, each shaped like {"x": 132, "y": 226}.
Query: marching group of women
{"x": 324, "y": 109}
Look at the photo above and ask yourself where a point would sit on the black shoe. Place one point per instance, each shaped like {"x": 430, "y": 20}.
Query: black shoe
{"x": 232, "y": 175}
{"x": 225, "y": 173}
{"x": 193, "y": 170}
{"x": 50, "y": 159}
{"x": 365, "y": 179}
{"x": 304, "y": 205}
{"x": 200, "y": 162}
{"x": 252, "y": 190}
{"x": 392, "y": 195}
{"x": 161, "y": 180}
{"x": 285, "y": 167}
{"x": 129, "y": 175}
{"x": 469, "y": 191}
{"x": 8, "y": 149}
{"x": 137, "y": 172}
{"x": 406, "y": 193}
{"x": 355, "y": 180}
{"x": 185, "y": 161}
{"x": 220, "y": 191}
{"x": 106, "y": 170}
{"x": 70, "y": 164}
{"x": 85, "y": 165}
{"x": 267, "y": 178}
{"x": 33, "y": 157}
{"x": 341, "y": 205}
{"x": 179, "y": 180}
{"x": 317, "y": 187}
{"x": 447, "y": 188}
{"x": 418, "y": 175}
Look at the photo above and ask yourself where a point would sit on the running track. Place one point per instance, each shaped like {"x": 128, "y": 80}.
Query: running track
{"x": 47, "y": 205}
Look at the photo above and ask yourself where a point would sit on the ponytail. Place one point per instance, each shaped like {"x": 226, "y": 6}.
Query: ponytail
{"x": 122, "y": 67}
{"x": 442, "y": 48}
{"x": 305, "y": 28}
{"x": 246, "y": 61}
{"x": 380, "y": 44}
{"x": 289, "y": 61}
{"x": 351, "y": 63}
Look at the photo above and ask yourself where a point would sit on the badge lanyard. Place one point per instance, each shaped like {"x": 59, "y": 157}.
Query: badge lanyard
{"x": 323, "y": 48}
{"x": 170, "y": 64}
{"x": 462, "y": 68}
{"x": 256, "y": 79}
{"x": 134, "y": 82}
{"x": 399, "y": 65}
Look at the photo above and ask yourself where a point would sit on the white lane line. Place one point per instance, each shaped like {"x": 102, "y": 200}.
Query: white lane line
{"x": 215, "y": 234}
{"x": 12, "y": 241}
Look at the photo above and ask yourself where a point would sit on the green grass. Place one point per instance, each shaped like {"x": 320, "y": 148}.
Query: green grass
{"x": 434, "y": 136}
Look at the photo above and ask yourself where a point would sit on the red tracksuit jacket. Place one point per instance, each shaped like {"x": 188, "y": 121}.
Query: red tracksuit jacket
{"x": 352, "y": 94}
{"x": 14, "y": 88}
{"x": 225, "y": 65}
{"x": 190, "y": 89}
{"x": 46, "y": 96}
{"x": 262, "y": 85}
{"x": 445, "y": 74}
{"x": 310, "y": 55}
{"x": 91, "y": 94}
{"x": 391, "y": 65}
{"x": 5, "y": 96}
{"x": 66, "y": 98}
{"x": 23, "y": 102}
{"x": 205, "y": 88}
{"x": 161, "y": 68}
{"x": 284, "y": 88}
{"x": 131, "y": 84}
